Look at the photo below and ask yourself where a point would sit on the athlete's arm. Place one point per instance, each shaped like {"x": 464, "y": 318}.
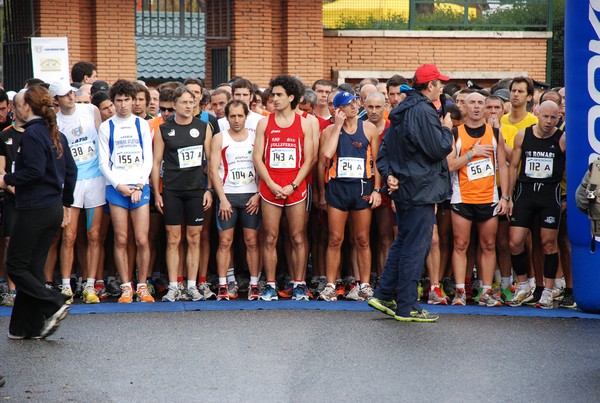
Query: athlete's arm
{"x": 215, "y": 161}
{"x": 321, "y": 167}
{"x": 257, "y": 158}
{"x": 331, "y": 135}
{"x": 513, "y": 168}
{"x": 147, "y": 150}
{"x": 502, "y": 173}
{"x": 208, "y": 197}
{"x": 159, "y": 149}
{"x": 308, "y": 158}
{"x": 372, "y": 135}
{"x": 563, "y": 142}
{"x": 97, "y": 117}
{"x": 104, "y": 156}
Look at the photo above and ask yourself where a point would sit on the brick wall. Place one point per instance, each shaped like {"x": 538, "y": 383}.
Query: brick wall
{"x": 93, "y": 33}
{"x": 449, "y": 54}
{"x": 273, "y": 37}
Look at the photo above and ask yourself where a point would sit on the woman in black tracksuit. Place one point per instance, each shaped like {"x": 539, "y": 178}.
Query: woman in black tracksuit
{"x": 44, "y": 179}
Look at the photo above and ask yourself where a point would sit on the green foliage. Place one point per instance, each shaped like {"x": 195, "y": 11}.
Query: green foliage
{"x": 389, "y": 21}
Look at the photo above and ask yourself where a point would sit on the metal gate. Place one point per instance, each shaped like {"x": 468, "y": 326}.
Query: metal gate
{"x": 19, "y": 26}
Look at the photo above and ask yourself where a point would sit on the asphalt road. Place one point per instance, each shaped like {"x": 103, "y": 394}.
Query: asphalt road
{"x": 298, "y": 356}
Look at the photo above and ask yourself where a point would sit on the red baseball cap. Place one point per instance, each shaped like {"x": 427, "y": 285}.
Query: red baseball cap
{"x": 428, "y": 72}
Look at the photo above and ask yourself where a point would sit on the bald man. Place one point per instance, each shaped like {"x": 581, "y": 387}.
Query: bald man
{"x": 536, "y": 168}
{"x": 365, "y": 90}
{"x": 477, "y": 156}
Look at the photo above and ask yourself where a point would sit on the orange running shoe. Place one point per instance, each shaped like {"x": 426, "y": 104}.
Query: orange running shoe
{"x": 126, "y": 294}
{"x": 143, "y": 295}
{"x": 288, "y": 291}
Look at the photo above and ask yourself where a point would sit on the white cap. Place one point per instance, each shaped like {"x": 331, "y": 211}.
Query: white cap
{"x": 11, "y": 94}
{"x": 61, "y": 88}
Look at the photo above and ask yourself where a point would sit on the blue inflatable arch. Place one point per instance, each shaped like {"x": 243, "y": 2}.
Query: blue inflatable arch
{"x": 582, "y": 83}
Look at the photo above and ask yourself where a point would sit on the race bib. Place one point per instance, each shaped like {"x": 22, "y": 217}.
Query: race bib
{"x": 351, "y": 167}
{"x": 128, "y": 159}
{"x": 539, "y": 167}
{"x": 190, "y": 156}
{"x": 241, "y": 176}
{"x": 83, "y": 151}
{"x": 479, "y": 169}
{"x": 283, "y": 158}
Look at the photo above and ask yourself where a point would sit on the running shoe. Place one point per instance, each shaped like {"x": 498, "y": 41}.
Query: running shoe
{"x": 567, "y": 301}
{"x": 89, "y": 295}
{"x": 416, "y": 316}
{"x": 243, "y": 283}
{"x": 142, "y": 294}
{"x": 546, "y": 301}
{"x": 448, "y": 286}
{"x": 365, "y": 292}
{"x": 182, "y": 292}
{"x": 150, "y": 287}
{"x": 194, "y": 294}
{"x": 223, "y": 293}
{"x": 8, "y": 299}
{"x": 113, "y": 288}
{"x": 4, "y": 287}
{"x": 340, "y": 291}
{"x": 253, "y": 292}
{"x": 322, "y": 282}
{"x": 436, "y": 297}
{"x": 419, "y": 291}
{"x": 387, "y": 307}
{"x": 507, "y": 294}
{"x": 269, "y": 294}
{"x": 206, "y": 291}
{"x": 490, "y": 298}
{"x": 300, "y": 293}
{"x": 53, "y": 321}
{"x": 496, "y": 285}
{"x": 353, "y": 294}
{"x": 171, "y": 295}
{"x": 49, "y": 285}
{"x": 232, "y": 289}
{"x": 477, "y": 295}
{"x": 79, "y": 286}
{"x": 160, "y": 285}
{"x": 522, "y": 294}
{"x": 288, "y": 291}
{"x": 460, "y": 297}
{"x": 101, "y": 290}
{"x": 537, "y": 294}
{"x": 329, "y": 293}
{"x": 558, "y": 293}
{"x": 67, "y": 292}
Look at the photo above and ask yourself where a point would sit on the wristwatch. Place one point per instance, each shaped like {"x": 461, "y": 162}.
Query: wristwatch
{"x": 378, "y": 190}
{"x": 294, "y": 186}
{"x": 505, "y": 198}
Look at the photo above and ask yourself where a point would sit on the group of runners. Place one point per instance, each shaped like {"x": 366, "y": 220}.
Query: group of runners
{"x": 288, "y": 177}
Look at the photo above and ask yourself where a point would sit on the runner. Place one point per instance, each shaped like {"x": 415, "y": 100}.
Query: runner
{"x": 283, "y": 156}
{"x": 349, "y": 144}
{"x": 234, "y": 180}
{"x": 181, "y": 144}
{"x": 540, "y": 153}
{"x": 125, "y": 155}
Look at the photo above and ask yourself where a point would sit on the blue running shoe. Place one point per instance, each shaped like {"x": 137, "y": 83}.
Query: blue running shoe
{"x": 300, "y": 293}
{"x": 268, "y": 294}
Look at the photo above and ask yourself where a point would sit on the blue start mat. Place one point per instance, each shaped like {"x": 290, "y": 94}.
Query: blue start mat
{"x": 242, "y": 305}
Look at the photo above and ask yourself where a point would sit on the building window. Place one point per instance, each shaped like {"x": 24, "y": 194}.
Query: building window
{"x": 171, "y": 18}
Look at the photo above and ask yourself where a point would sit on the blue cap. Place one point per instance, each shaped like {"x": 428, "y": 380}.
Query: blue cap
{"x": 343, "y": 98}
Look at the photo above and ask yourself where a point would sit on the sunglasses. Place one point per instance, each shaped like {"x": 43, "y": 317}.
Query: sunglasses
{"x": 163, "y": 109}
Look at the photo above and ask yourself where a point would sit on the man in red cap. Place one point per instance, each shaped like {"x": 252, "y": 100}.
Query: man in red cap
{"x": 412, "y": 163}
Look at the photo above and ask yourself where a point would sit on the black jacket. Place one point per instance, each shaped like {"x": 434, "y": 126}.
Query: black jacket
{"x": 414, "y": 150}
{"x": 40, "y": 178}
